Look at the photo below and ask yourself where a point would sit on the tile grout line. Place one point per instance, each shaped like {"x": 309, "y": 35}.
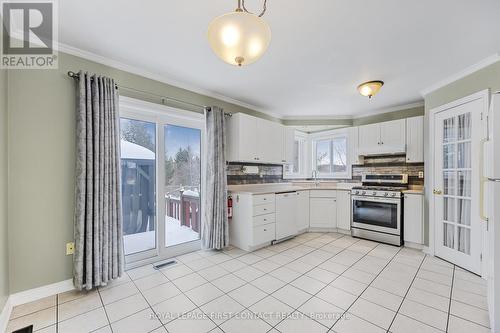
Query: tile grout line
{"x": 406, "y": 294}
{"x": 451, "y": 295}
{"x": 368, "y": 285}
{"x": 104, "y": 308}
{"x": 286, "y": 283}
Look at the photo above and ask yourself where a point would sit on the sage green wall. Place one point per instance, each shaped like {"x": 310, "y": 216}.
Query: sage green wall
{"x": 486, "y": 78}
{"x": 394, "y": 115}
{"x": 41, "y": 108}
{"x": 4, "y": 253}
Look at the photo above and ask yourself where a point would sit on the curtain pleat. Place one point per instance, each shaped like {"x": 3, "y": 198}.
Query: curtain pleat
{"x": 98, "y": 231}
{"x": 215, "y": 230}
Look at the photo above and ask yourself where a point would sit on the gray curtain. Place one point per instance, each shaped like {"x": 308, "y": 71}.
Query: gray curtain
{"x": 215, "y": 231}
{"x": 98, "y": 226}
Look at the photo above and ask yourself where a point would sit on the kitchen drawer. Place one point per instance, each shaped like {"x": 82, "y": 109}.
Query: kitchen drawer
{"x": 263, "y": 209}
{"x": 264, "y": 219}
{"x": 263, "y": 199}
{"x": 323, "y": 194}
{"x": 264, "y": 233}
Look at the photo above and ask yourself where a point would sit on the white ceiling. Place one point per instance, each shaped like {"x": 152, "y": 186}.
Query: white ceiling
{"x": 320, "y": 49}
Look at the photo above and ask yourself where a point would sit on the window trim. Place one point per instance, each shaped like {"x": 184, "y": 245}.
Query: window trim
{"x": 331, "y": 135}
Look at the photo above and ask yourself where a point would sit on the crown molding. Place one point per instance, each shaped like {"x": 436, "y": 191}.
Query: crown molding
{"x": 460, "y": 75}
{"x": 65, "y": 48}
{"x": 390, "y": 109}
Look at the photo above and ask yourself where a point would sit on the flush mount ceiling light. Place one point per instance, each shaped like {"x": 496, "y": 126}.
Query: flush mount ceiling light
{"x": 370, "y": 88}
{"x": 241, "y": 37}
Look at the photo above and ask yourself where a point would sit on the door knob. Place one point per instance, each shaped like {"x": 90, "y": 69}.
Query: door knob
{"x": 438, "y": 192}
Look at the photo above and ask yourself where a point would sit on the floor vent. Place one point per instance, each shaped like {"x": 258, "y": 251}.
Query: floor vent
{"x": 160, "y": 265}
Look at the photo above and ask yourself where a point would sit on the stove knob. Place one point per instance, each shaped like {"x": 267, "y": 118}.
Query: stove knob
{"x": 363, "y": 193}
{"x": 386, "y": 194}
{"x": 374, "y": 193}
{"x": 393, "y": 194}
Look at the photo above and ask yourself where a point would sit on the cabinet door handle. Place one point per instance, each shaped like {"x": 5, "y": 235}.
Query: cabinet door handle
{"x": 265, "y": 229}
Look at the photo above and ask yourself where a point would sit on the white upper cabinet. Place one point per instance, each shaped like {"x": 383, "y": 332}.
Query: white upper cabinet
{"x": 369, "y": 139}
{"x": 240, "y": 139}
{"x": 393, "y": 136}
{"x": 415, "y": 139}
{"x": 252, "y": 139}
{"x": 288, "y": 144}
{"x": 382, "y": 138}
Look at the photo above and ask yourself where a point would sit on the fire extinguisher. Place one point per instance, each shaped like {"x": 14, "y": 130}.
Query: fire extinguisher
{"x": 229, "y": 207}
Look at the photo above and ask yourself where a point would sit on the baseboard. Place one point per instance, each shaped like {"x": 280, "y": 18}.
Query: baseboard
{"x": 5, "y": 315}
{"x": 41, "y": 292}
{"x": 415, "y": 246}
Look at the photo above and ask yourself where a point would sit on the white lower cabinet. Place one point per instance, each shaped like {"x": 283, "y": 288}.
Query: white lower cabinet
{"x": 344, "y": 210}
{"x": 254, "y": 221}
{"x": 413, "y": 218}
{"x": 323, "y": 209}
{"x": 302, "y": 210}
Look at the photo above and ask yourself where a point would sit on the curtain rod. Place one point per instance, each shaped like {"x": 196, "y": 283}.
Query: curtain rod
{"x": 163, "y": 99}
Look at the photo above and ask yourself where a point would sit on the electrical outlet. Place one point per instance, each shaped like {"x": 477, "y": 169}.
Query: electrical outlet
{"x": 420, "y": 174}
{"x": 70, "y": 248}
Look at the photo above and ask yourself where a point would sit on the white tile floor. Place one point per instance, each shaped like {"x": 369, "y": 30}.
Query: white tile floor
{"x": 317, "y": 282}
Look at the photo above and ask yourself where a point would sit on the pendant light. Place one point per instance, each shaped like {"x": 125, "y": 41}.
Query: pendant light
{"x": 370, "y": 88}
{"x": 241, "y": 37}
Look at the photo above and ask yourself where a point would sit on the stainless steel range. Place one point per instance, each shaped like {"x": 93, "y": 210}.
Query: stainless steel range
{"x": 377, "y": 208}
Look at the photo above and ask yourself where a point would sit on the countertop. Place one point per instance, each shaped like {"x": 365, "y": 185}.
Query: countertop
{"x": 287, "y": 187}
{"x": 421, "y": 192}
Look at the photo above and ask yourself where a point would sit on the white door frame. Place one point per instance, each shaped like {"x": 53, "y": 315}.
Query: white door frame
{"x": 484, "y": 95}
{"x": 162, "y": 115}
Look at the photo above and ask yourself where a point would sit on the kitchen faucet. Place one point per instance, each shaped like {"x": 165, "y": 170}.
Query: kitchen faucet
{"x": 315, "y": 174}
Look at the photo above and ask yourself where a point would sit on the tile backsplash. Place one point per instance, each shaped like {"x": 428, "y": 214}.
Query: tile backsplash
{"x": 389, "y": 164}
{"x": 267, "y": 173}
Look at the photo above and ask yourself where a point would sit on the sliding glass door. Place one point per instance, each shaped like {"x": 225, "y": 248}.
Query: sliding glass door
{"x": 161, "y": 162}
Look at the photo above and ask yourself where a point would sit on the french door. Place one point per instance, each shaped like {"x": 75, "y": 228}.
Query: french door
{"x": 161, "y": 164}
{"x": 458, "y": 230}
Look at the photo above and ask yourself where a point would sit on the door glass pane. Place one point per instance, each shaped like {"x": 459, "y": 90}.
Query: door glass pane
{"x": 463, "y": 157}
{"x": 464, "y": 126}
{"x": 182, "y": 184}
{"x": 464, "y": 183}
{"x": 449, "y": 182}
{"x": 449, "y": 209}
{"x": 463, "y": 240}
{"x": 449, "y": 130}
{"x": 449, "y": 156}
{"x": 138, "y": 166}
{"x": 448, "y": 235}
{"x": 464, "y": 213}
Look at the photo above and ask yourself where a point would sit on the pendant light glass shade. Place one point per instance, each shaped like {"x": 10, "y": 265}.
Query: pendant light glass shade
{"x": 239, "y": 38}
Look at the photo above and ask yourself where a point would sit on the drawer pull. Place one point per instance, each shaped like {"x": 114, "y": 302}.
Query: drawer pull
{"x": 265, "y": 229}
{"x": 265, "y": 219}
{"x": 265, "y": 208}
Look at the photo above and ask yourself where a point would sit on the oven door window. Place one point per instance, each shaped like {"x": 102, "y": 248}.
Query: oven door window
{"x": 383, "y": 214}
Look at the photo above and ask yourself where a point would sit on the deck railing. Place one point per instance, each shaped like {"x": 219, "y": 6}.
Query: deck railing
{"x": 185, "y": 208}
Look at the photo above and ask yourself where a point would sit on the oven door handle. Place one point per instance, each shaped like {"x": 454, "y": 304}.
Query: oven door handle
{"x": 375, "y": 199}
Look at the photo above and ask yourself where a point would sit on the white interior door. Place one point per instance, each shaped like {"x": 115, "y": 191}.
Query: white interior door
{"x": 457, "y": 135}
